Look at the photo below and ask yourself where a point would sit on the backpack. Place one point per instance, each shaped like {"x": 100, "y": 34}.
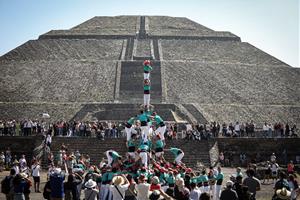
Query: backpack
{"x": 5, "y": 185}
{"x": 46, "y": 194}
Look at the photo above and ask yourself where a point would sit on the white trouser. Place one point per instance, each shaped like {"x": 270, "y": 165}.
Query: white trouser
{"x": 144, "y": 158}
{"x": 178, "y": 158}
{"x": 206, "y": 189}
{"x": 213, "y": 190}
{"x": 159, "y": 154}
{"x": 144, "y": 133}
{"x": 150, "y": 133}
{"x": 202, "y": 189}
{"x": 109, "y": 159}
{"x": 146, "y": 76}
{"x": 131, "y": 154}
{"x": 218, "y": 191}
{"x": 128, "y": 133}
{"x": 146, "y": 100}
{"x": 161, "y": 132}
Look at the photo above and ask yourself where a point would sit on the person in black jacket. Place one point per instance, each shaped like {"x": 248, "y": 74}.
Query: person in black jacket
{"x": 70, "y": 187}
{"x": 229, "y": 193}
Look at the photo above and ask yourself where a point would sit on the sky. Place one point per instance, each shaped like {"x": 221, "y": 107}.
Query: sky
{"x": 270, "y": 25}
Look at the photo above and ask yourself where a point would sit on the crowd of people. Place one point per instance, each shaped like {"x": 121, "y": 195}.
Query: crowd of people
{"x": 116, "y": 129}
{"x": 71, "y": 176}
{"x": 143, "y": 173}
{"x": 237, "y": 129}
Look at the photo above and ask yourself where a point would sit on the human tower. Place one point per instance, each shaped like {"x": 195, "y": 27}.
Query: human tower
{"x": 145, "y": 120}
{"x": 146, "y": 149}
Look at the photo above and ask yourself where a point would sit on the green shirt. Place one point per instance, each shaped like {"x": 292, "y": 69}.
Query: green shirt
{"x": 131, "y": 120}
{"x": 158, "y": 119}
{"x": 220, "y": 176}
{"x": 127, "y": 165}
{"x": 110, "y": 175}
{"x": 204, "y": 178}
{"x": 148, "y": 113}
{"x": 194, "y": 180}
{"x": 170, "y": 179}
{"x": 175, "y": 151}
{"x": 178, "y": 176}
{"x": 162, "y": 177}
{"x": 143, "y": 117}
{"x": 199, "y": 179}
{"x": 147, "y": 68}
{"x": 146, "y": 174}
{"x": 239, "y": 174}
{"x": 131, "y": 143}
{"x": 144, "y": 147}
{"x": 147, "y": 87}
{"x": 115, "y": 155}
{"x": 159, "y": 144}
{"x": 104, "y": 177}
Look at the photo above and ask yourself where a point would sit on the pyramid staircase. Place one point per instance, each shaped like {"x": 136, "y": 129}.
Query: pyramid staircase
{"x": 197, "y": 152}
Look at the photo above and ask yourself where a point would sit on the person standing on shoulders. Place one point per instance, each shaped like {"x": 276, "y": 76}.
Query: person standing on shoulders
{"x": 128, "y": 127}
{"x": 147, "y": 88}
{"x": 144, "y": 119}
{"x": 160, "y": 126}
{"x": 147, "y": 69}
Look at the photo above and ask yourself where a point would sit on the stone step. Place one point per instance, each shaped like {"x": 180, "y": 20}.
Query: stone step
{"x": 196, "y": 113}
{"x": 143, "y": 50}
{"x": 131, "y": 81}
{"x": 195, "y": 152}
{"x": 122, "y": 111}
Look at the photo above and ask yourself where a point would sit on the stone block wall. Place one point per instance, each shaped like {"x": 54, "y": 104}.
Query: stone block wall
{"x": 265, "y": 147}
{"x": 227, "y": 52}
{"x": 65, "y": 49}
{"x": 58, "y": 81}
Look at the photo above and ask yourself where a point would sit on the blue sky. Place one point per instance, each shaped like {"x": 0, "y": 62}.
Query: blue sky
{"x": 271, "y": 25}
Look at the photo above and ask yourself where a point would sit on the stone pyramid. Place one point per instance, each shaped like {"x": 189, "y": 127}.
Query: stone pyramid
{"x": 94, "y": 71}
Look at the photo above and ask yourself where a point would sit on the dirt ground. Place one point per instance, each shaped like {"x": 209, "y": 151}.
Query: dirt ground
{"x": 265, "y": 194}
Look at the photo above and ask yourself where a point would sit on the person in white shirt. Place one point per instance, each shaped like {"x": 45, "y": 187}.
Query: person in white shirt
{"x": 36, "y": 168}
{"x": 2, "y": 161}
{"x": 265, "y": 129}
{"x": 48, "y": 140}
{"x": 237, "y": 129}
{"x": 28, "y": 126}
{"x": 16, "y": 166}
{"x": 119, "y": 186}
{"x": 274, "y": 169}
{"x": 189, "y": 130}
{"x": 273, "y": 158}
{"x": 195, "y": 192}
{"x": 142, "y": 188}
{"x": 270, "y": 131}
{"x": 23, "y": 163}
